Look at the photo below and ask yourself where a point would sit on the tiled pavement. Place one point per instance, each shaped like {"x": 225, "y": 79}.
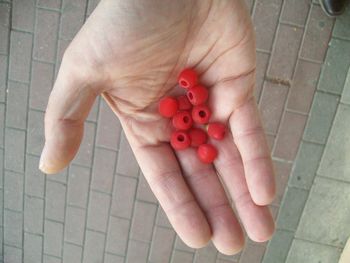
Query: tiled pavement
{"x": 100, "y": 209}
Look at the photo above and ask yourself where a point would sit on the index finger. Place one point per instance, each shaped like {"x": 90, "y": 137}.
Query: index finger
{"x": 249, "y": 136}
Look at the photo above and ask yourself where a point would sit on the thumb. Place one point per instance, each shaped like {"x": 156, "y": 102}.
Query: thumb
{"x": 69, "y": 104}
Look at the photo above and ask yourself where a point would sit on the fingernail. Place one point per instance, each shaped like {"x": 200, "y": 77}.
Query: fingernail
{"x": 42, "y": 161}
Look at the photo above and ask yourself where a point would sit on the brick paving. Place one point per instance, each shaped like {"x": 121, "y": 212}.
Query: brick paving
{"x": 100, "y": 209}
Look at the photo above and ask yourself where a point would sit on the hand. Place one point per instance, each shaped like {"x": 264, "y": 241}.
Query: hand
{"x": 130, "y": 52}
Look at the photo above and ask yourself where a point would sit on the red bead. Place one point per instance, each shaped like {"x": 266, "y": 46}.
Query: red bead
{"x": 201, "y": 114}
{"x": 180, "y": 140}
{"x": 168, "y": 107}
{"x": 197, "y": 136}
{"x": 182, "y": 120}
{"x": 187, "y": 78}
{"x": 184, "y": 103}
{"x": 207, "y": 153}
{"x": 197, "y": 95}
{"x": 216, "y": 130}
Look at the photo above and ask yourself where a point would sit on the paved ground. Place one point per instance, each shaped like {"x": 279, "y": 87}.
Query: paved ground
{"x": 101, "y": 210}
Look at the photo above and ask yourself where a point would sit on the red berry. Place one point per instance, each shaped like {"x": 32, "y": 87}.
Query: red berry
{"x": 184, "y": 103}
{"x": 182, "y": 120}
{"x": 207, "y": 153}
{"x": 180, "y": 140}
{"x": 197, "y": 136}
{"x": 201, "y": 114}
{"x": 216, "y": 130}
{"x": 187, "y": 78}
{"x": 197, "y": 95}
{"x": 168, "y": 107}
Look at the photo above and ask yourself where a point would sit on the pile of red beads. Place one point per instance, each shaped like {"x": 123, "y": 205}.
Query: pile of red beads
{"x": 189, "y": 113}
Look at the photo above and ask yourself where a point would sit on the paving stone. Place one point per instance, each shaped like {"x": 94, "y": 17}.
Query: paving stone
{"x": 92, "y": 5}
{"x": 72, "y": 253}
{"x": 109, "y": 258}
{"x": 252, "y": 253}
{"x": 285, "y": 52}
{"x": 14, "y": 145}
{"x": 231, "y": 258}
{"x": 45, "y": 36}
{"x": 274, "y": 211}
{"x": 94, "y": 110}
{"x": 162, "y": 245}
{"x": 117, "y": 237}
{"x": 55, "y": 201}
{"x": 41, "y": 84}
{"x": 94, "y": 247}
{"x": 137, "y": 252}
{"x": 1, "y": 168}
{"x": 2, "y": 123}
{"x": 278, "y": 248}
{"x": 289, "y": 136}
{"x": 322, "y": 113}
{"x": 295, "y": 11}
{"x": 51, "y": 259}
{"x": 78, "y": 186}
{"x": 162, "y": 219}
{"x": 127, "y": 164}
{"x": 108, "y": 129}
{"x": 33, "y": 215}
{"x": 306, "y": 165}
{"x": 103, "y": 170}
{"x": 272, "y": 106}
{"x": 3, "y": 77}
{"x": 180, "y": 245}
{"x": 72, "y": 17}
{"x": 143, "y": 220}
{"x": 35, "y": 132}
{"x": 341, "y": 27}
{"x": 304, "y": 251}
{"x": 13, "y": 194}
{"x": 292, "y": 208}
{"x": 53, "y": 235}
{"x": 205, "y": 255}
{"x": 123, "y": 196}
{"x": 345, "y": 98}
{"x": 60, "y": 177}
{"x": 20, "y": 56}
{"x": 282, "y": 171}
{"x": 262, "y": 60}
{"x": 303, "y": 86}
{"x": 16, "y": 113}
{"x": 265, "y": 21}
{"x": 74, "y": 225}
{"x": 23, "y": 15}
{"x": 144, "y": 191}
{"x": 335, "y": 161}
{"x": 328, "y": 200}
{"x": 12, "y": 254}
{"x": 84, "y": 155}
{"x": 32, "y": 248}
{"x": 99, "y": 204}
{"x": 5, "y": 10}
{"x": 61, "y": 48}
{"x": 13, "y": 228}
{"x": 318, "y": 33}
{"x": 222, "y": 261}
{"x": 50, "y": 4}
{"x": 182, "y": 257}
{"x": 34, "y": 179}
{"x": 336, "y": 66}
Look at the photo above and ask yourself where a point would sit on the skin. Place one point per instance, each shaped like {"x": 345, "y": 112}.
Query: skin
{"x": 131, "y": 52}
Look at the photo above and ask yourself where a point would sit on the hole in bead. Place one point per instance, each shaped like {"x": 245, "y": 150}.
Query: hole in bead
{"x": 202, "y": 114}
{"x": 180, "y": 138}
{"x": 186, "y": 119}
{"x": 184, "y": 83}
{"x": 190, "y": 95}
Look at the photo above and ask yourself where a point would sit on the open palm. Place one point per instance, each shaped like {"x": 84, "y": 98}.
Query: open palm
{"x": 131, "y": 52}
